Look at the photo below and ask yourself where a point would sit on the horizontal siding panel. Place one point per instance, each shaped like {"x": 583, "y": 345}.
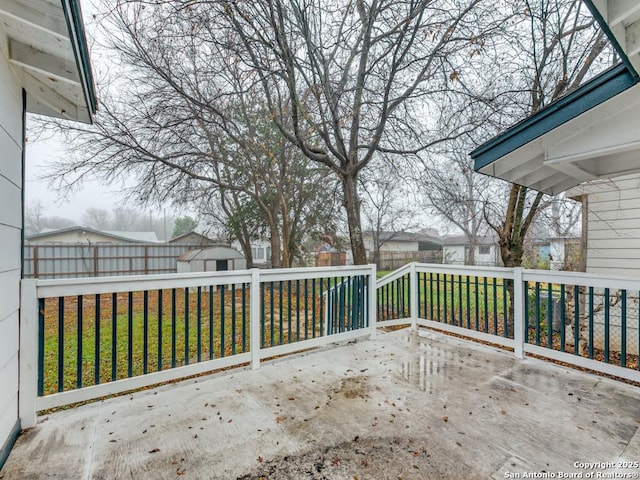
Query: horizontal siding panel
{"x": 613, "y": 225}
{"x": 619, "y": 247}
{"x": 9, "y": 293}
{"x": 611, "y": 210}
{"x": 629, "y": 198}
{"x": 9, "y": 381}
{"x": 11, "y": 101}
{"x": 620, "y": 183}
{"x": 9, "y": 248}
{"x": 11, "y": 201}
{"x": 614, "y": 253}
{"x": 617, "y": 234}
{"x": 9, "y": 339}
{"x": 8, "y": 418}
{"x": 11, "y": 160}
{"x": 625, "y": 272}
{"x": 614, "y": 267}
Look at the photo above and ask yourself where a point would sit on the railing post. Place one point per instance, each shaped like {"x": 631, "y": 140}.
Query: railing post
{"x": 413, "y": 292}
{"x": 518, "y": 313}
{"x": 28, "y": 354}
{"x": 254, "y": 332}
{"x": 373, "y": 302}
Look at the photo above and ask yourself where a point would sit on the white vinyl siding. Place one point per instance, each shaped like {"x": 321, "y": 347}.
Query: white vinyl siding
{"x": 10, "y": 247}
{"x": 613, "y": 238}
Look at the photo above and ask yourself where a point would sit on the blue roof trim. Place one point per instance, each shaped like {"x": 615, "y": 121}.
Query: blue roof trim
{"x": 73, "y": 16}
{"x": 612, "y": 38}
{"x": 598, "y": 90}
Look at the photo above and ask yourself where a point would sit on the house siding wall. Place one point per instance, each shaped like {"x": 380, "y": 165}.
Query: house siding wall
{"x": 613, "y": 239}
{"x": 455, "y": 255}
{"x": 391, "y": 245}
{"x": 11, "y": 146}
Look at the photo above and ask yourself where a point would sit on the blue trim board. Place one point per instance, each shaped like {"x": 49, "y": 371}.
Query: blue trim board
{"x": 598, "y": 90}
{"x": 73, "y": 16}
{"x": 8, "y": 444}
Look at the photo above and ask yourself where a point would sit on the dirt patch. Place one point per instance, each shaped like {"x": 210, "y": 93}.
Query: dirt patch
{"x": 360, "y": 459}
{"x": 354, "y": 387}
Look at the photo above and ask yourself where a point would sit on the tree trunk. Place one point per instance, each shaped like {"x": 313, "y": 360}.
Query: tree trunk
{"x": 352, "y": 207}
{"x": 276, "y": 248}
{"x": 246, "y": 251}
{"x": 471, "y": 255}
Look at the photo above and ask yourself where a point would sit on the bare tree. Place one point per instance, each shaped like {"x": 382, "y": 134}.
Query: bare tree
{"x": 556, "y": 45}
{"x": 455, "y": 193}
{"x": 182, "y": 120}
{"x": 349, "y": 79}
{"x": 35, "y": 219}
{"x": 386, "y": 207}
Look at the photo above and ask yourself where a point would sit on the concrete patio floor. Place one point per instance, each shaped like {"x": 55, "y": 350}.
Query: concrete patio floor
{"x": 399, "y": 407}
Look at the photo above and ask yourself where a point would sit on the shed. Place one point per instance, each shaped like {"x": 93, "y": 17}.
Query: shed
{"x": 211, "y": 259}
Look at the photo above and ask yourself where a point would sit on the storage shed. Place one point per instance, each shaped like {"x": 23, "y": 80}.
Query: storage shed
{"x": 211, "y": 259}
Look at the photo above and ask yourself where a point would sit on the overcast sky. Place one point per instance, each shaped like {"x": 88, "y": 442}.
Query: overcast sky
{"x": 41, "y": 153}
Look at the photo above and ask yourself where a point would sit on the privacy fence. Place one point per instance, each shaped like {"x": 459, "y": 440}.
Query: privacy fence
{"x": 86, "y": 338}
{"x": 49, "y": 261}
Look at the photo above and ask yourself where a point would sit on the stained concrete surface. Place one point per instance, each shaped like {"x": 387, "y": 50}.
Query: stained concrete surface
{"x": 399, "y": 407}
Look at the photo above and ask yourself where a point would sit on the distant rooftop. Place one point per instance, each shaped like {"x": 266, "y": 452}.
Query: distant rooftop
{"x": 122, "y": 235}
{"x": 406, "y": 237}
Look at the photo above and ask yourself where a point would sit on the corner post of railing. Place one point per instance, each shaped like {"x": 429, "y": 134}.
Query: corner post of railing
{"x": 413, "y": 292}
{"x": 28, "y": 354}
{"x": 373, "y": 302}
{"x": 518, "y": 313}
{"x": 254, "y": 331}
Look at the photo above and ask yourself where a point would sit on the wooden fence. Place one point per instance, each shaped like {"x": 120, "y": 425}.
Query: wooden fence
{"x": 50, "y": 261}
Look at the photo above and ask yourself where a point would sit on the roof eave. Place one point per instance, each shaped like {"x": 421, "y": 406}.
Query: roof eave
{"x": 600, "y": 89}
{"x": 73, "y": 15}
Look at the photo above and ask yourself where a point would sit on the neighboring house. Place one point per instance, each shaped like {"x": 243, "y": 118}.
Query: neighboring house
{"x": 92, "y": 236}
{"x": 611, "y": 222}
{"x": 565, "y": 253}
{"x": 260, "y": 251}
{"x": 455, "y": 251}
{"x": 195, "y": 238}
{"x": 400, "y": 248}
{"x": 44, "y": 69}
{"x": 402, "y": 242}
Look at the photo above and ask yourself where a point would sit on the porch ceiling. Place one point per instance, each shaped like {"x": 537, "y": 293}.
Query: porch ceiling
{"x": 431, "y": 407}
{"x": 592, "y": 133}
{"x": 45, "y": 44}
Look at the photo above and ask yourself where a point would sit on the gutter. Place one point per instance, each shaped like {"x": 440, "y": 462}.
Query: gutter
{"x": 77, "y": 36}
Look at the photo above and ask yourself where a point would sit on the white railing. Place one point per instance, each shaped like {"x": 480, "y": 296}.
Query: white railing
{"x": 247, "y": 316}
{"x": 232, "y": 318}
{"x": 589, "y": 321}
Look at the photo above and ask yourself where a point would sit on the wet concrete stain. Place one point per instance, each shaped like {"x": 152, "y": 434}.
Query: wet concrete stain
{"x": 364, "y": 458}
